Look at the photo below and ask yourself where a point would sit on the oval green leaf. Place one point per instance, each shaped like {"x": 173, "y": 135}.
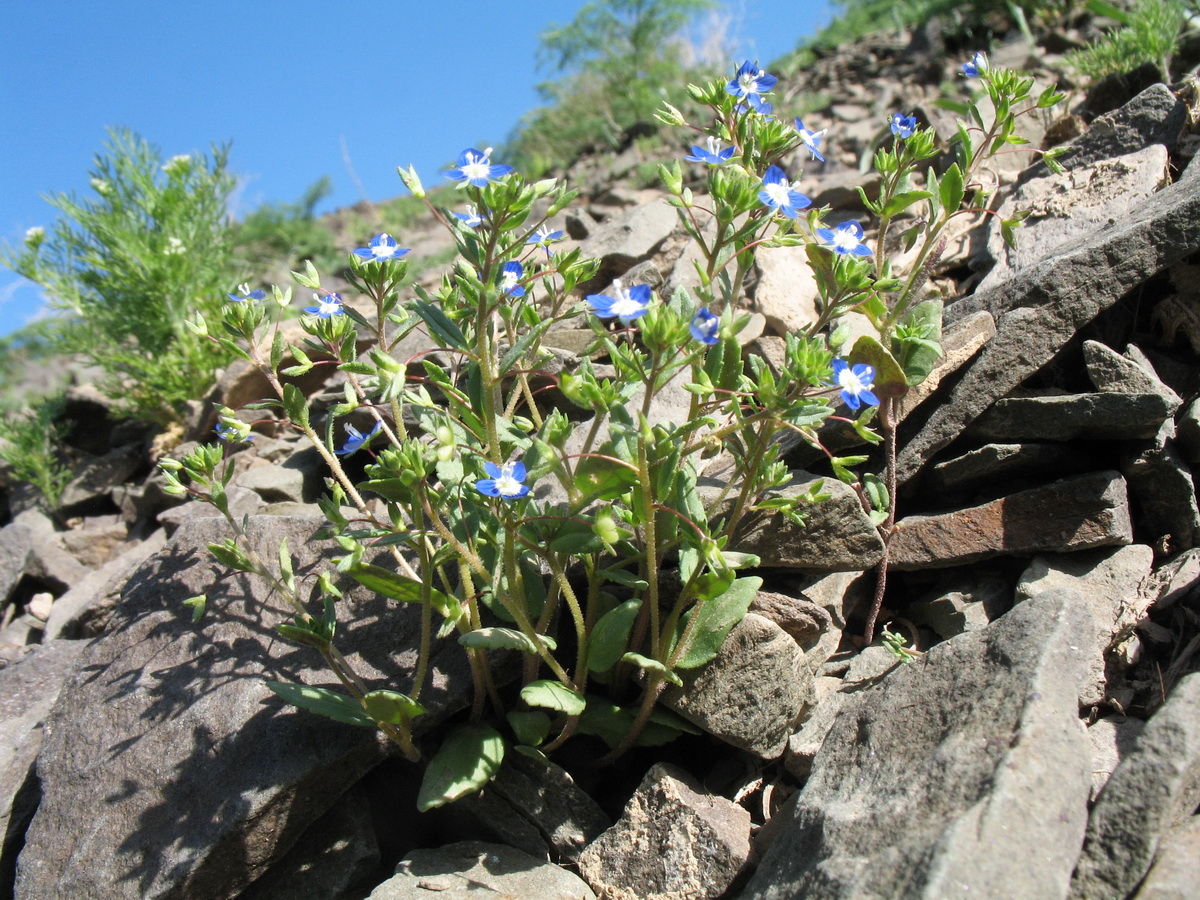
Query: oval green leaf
{"x": 553, "y": 695}
{"x": 467, "y": 760}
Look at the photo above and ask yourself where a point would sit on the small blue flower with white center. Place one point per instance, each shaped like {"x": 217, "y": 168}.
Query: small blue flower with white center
{"x": 811, "y": 140}
{"x": 231, "y": 434}
{"x": 476, "y": 169}
{"x": 845, "y": 238}
{"x": 903, "y": 126}
{"x": 543, "y": 237}
{"x": 749, "y": 82}
{"x": 628, "y": 304}
{"x": 471, "y": 218}
{"x": 711, "y": 153}
{"x": 978, "y": 64}
{"x": 382, "y": 246}
{"x": 247, "y": 294}
{"x": 705, "y": 326}
{"x": 356, "y": 440}
{"x": 510, "y": 279}
{"x": 779, "y": 193}
{"x": 329, "y": 305}
{"x": 855, "y": 383}
{"x": 506, "y": 482}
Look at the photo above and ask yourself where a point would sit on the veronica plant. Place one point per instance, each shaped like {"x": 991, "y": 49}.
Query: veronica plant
{"x": 753, "y": 202}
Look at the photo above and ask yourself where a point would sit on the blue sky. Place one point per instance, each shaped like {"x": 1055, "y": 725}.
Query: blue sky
{"x": 297, "y": 88}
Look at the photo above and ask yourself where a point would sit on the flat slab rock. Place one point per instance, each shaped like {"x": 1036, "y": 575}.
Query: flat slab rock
{"x": 168, "y": 768}
{"x": 1100, "y": 417}
{"x": 964, "y": 774}
{"x": 1073, "y": 514}
{"x": 472, "y": 869}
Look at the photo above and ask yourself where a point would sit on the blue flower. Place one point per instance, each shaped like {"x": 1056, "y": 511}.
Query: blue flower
{"x": 247, "y": 294}
{"x": 845, "y": 238}
{"x": 383, "y": 246}
{"x": 978, "y": 63}
{"x": 903, "y": 126}
{"x": 705, "y": 326}
{"x": 510, "y": 279}
{"x": 778, "y": 193}
{"x": 506, "y": 482}
{"x": 855, "y": 383}
{"x": 232, "y": 434}
{"x": 355, "y": 439}
{"x": 476, "y": 169}
{"x": 329, "y": 305}
{"x": 471, "y": 218}
{"x": 713, "y": 155}
{"x": 811, "y": 139}
{"x": 748, "y": 83}
{"x": 544, "y": 236}
{"x": 628, "y": 304}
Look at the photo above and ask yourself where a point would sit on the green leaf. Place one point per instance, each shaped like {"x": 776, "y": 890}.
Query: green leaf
{"x": 393, "y": 707}
{"x": 952, "y": 189}
{"x": 521, "y": 347}
{"x": 440, "y": 326}
{"x": 917, "y": 343}
{"x": 505, "y": 639}
{"x": 610, "y": 634}
{"x": 285, "y": 566}
{"x": 295, "y": 404}
{"x": 611, "y": 723}
{"x": 323, "y": 701}
{"x": 197, "y": 604}
{"x": 625, "y": 578}
{"x": 397, "y": 587}
{"x": 737, "y": 560}
{"x": 467, "y": 760}
{"x": 647, "y": 664}
{"x": 903, "y": 201}
{"x": 531, "y": 726}
{"x": 715, "y": 618}
{"x": 553, "y": 695}
{"x": 603, "y": 479}
{"x": 890, "y": 380}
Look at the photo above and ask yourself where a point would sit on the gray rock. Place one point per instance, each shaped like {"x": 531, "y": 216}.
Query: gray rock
{"x": 630, "y": 239}
{"x": 787, "y": 292}
{"x": 1113, "y": 738}
{"x": 751, "y": 693}
{"x": 242, "y": 502}
{"x": 1110, "y": 580}
{"x": 334, "y": 858}
{"x": 1164, "y": 495}
{"x": 96, "y": 542}
{"x": 1173, "y": 875}
{"x": 1156, "y": 787}
{"x": 274, "y": 484}
{"x": 949, "y": 614}
{"x": 1110, "y": 371}
{"x": 1039, "y": 311}
{"x": 167, "y": 760}
{"x": 1073, "y": 514}
{"x": 16, "y": 547}
{"x": 1155, "y": 116}
{"x": 836, "y": 537}
{"x": 1063, "y": 209}
{"x": 470, "y": 870}
{"x": 1095, "y": 417}
{"x": 28, "y": 689}
{"x": 85, "y": 609}
{"x": 998, "y": 464}
{"x": 1173, "y": 581}
{"x": 537, "y": 803}
{"x": 53, "y": 565}
{"x": 91, "y": 486}
{"x": 674, "y": 840}
{"x": 1188, "y": 432}
{"x": 964, "y": 774}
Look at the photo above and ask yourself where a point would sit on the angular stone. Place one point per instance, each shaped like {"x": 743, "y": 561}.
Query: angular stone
{"x": 998, "y": 464}
{"x": 1113, "y": 738}
{"x": 1156, "y": 787}
{"x": 787, "y": 292}
{"x": 1173, "y": 875}
{"x": 1110, "y": 371}
{"x": 803, "y": 620}
{"x": 1173, "y": 581}
{"x": 1040, "y": 310}
{"x": 1110, "y": 580}
{"x": 836, "y": 537}
{"x": 470, "y": 870}
{"x": 274, "y": 483}
{"x": 1065, "y": 208}
{"x": 28, "y": 689}
{"x": 167, "y": 760}
{"x": 90, "y": 488}
{"x": 674, "y": 840}
{"x": 630, "y": 239}
{"x": 1073, "y": 514}
{"x": 1164, "y": 494}
{"x": 752, "y": 693}
{"x": 16, "y": 548}
{"x": 1095, "y": 417}
{"x": 963, "y": 775}
{"x": 535, "y": 806}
